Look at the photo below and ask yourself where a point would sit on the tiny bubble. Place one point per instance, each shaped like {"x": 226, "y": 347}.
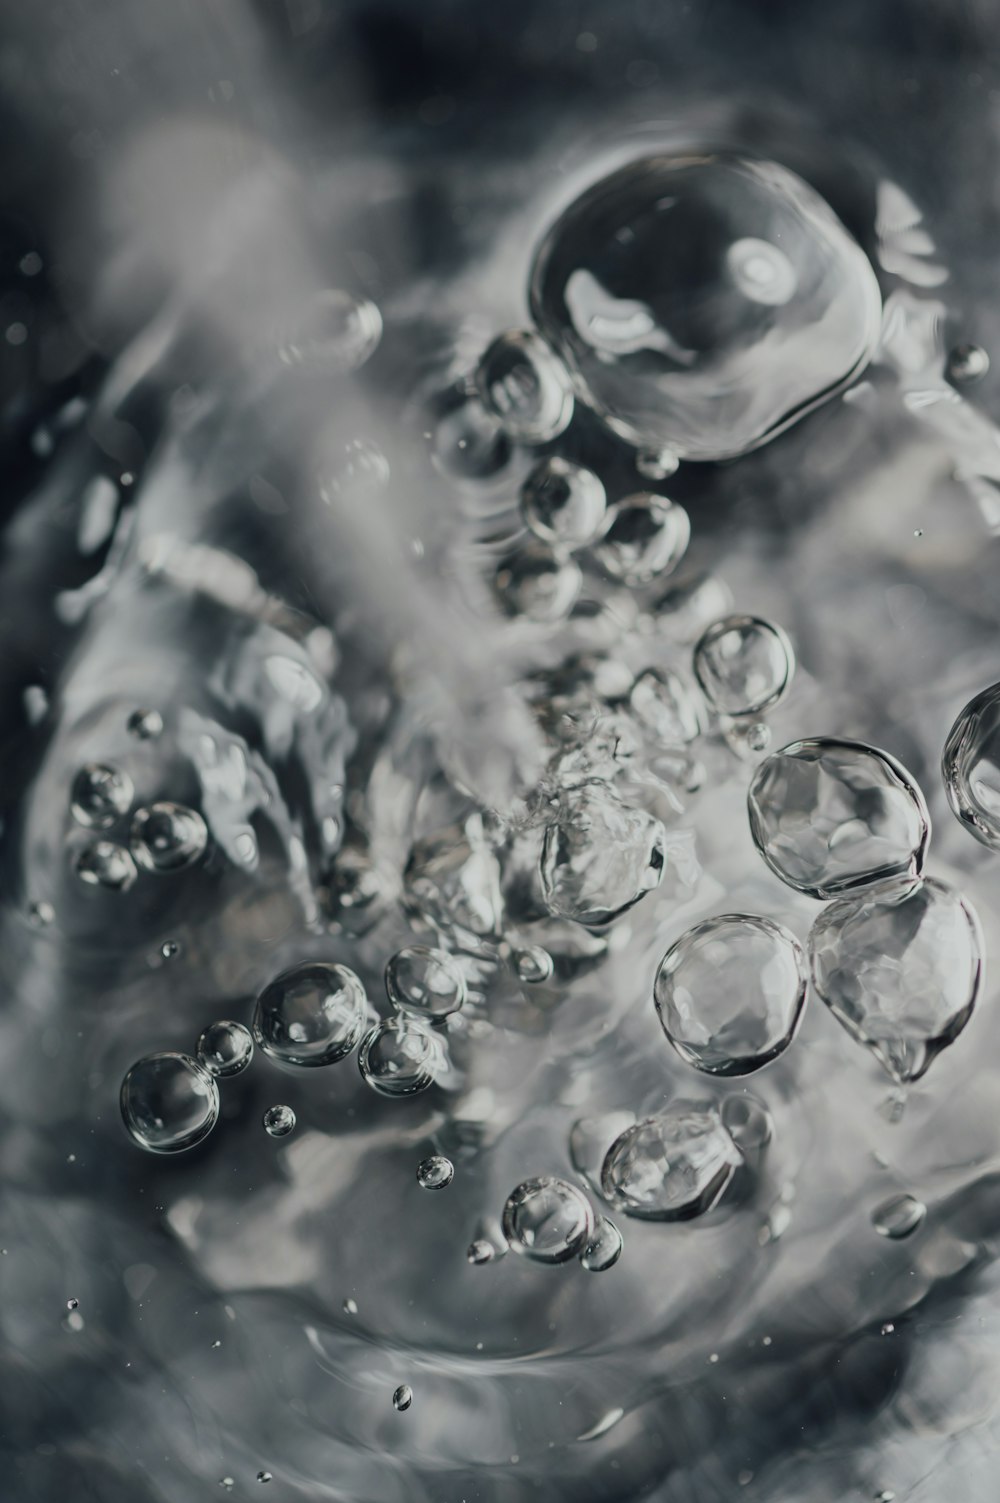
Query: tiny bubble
{"x": 888, "y": 1328}
{"x": 263, "y": 1476}
{"x": 72, "y": 1304}
{"x": 403, "y": 1397}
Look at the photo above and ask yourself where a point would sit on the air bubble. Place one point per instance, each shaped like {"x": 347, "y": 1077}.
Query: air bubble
{"x": 672, "y": 1167}
{"x": 533, "y": 965}
{"x": 169, "y": 1102}
{"x": 341, "y": 332}
{"x": 563, "y": 503}
{"x": 599, "y": 857}
{"x": 898, "y": 1217}
{"x": 145, "y": 725}
{"x": 967, "y": 363}
{"x": 403, "y": 1397}
{"x": 604, "y": 1247}
{"x": 645, "y": 538}
{"x": 435, "y": 1173}
{"x": 523, "y": 385}
{"x": 311, "y": 1014}
{"x": 278, "y": 1121}
{"x": 401, "y": 1056}
{"x": 971, "y": 767}
{"x": 536, "y": 583}
{"x": 100, "y": 795}
{"x": 666, "y": 707}
{"x": 425, "y": 981}
{"x": 167, "y": 837}
{"x": 744, "y": 665}
{"x": 104, "y": 863}
{"x": 225, "y": 1049}
{"x": 548, "y": 1220}
{"x": 480, "y": 1251}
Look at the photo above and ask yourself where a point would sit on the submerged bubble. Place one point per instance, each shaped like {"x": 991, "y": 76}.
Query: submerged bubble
{"x": 970, "y": 767}
{"x": 100, "y": 795}
{"x": 599, "y": 857}
{"x": 667, "y": 708}
{"x": 901, "y": 968}
{"x": 403, "y": 1397}
{"x": 145, "y": 725}
{"x": 435, "y": 1173}
{"x": 534, "y": 582}
{"x": 426, "y": 981}
{"x": 563, "y": 503}
{"x": 401, "y": 1056}
{"x": 967, "y": 363}
{"x": 311, "y": 1014}
{"x": 748, "y": 1122}
{"x": 278, "y": 1121}
{"x": 469, "y": 443}
{"x": 898, "y": 1217}
{"x": 225, "y": 1048}
{"x": 744, "y": 665}
{"x": 730, "y": 992}
{"x": 533, "y": 965}
{"x": 169, "y": 1102}
{"x": 104, "y": 863}
{"x": 340, "y": 332}
{"x": 603, "y": 1248}
{"x": 264, "y": 1477}
{"x": 672, "y": 1167}
{"x": 480, "y": 1251}
{"x": 704, "y": 302}
{"x": 830, "y": 815}
{"x": 167, "y": 837}
{"x": 548, "y": 1220}
{"x": 645, "y": 537}
{"x": 525, "y": 387}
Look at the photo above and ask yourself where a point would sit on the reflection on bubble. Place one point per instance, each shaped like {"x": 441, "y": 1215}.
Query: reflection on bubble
{"x": 425, "y": 981}
{"x": 167, "y": 837}
{"x": 100, "y": 795}
{"x": 898, "y": 1217}
{"x": 225, "y": 1048}
{"x": 971, "y": 767}
{"x": 278, "y": 1121}
{"x": 644, "y": 538}
{"x": 547, "y": 1220}
{"x": 563, "y": 503}
{"x": 435, "y": 1173}
{"x": 672, "y": 1167}
{"x": 523, "y": 385}
{"x": 311, "y": 1014}
{"x": 400, "y": 1057}
{"x": 169, "y": 1102}
{"x": 104, "y": 863}
{"x": 744, "y": 665}
{"x": 599, "y": 857}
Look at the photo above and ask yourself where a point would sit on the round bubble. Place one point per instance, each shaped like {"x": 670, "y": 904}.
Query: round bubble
{"x": 403, "y": 1397}
{"x": 730, "y": 992}
{"x": 100, "y": 795}
{"x": 534, "y": 965}
{"x": 603, "y": 1248}
{"x": 563, "y": 503}
{"x": 548, "y": 1220}
{"x": 534, "y": 582}
{"x": 104, "y": 863}
{"x": 401, "y": 1056}
{"x": 480, "y": 1251}
{"x": 744, "y": 665}
{"x": 225, "y": 1048}
{"x": 667, "y": 708}
{"x": 340, "y": 332}
{"x": 829, "y": 816}
{"x": 971, "y": 767}
{"x": 599, "y": 857}
{"x": 645, "y": 538}
{"x": 704, "y": 302}
{"x": 967, "y": 363}
{"x": 468, "y": 443}
{"x": 278, "y": 1121}
{"x": 422, "y": 980}
{"x": 168, "y": 837}
{"x": 748, "y": 1122}
{"x": 435, "y": 1173}
{"x": 145, "y": 725}
{"x": 672, "y": 1167}
{"x": 524, "y": 386}
{"x": 900, "y": 967}
{"x": 169, "y": 1102}
{"x": 898, "y": 1217}
{"x": 312, "y": 1014}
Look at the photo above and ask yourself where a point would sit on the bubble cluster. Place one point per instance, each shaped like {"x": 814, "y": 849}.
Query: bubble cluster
{"x": 563, "y": 504}
{"x": 401, "y": 1056}
{"x": 425, "y": 981}
{"x": 744, "y": 665}
{"x": 435, "y": 1172}
{"x": 278, "y": 1121}
{"x": 311, "y": 1014}
{"x": 167, "y": 837}
{"x": 970, "y": 767}
{"x": 548, "y": 1220}
{"x": 672, "y": 1167}
{"x": 225, "y": 1049}
{"x": 644, "y": 538}
{"x": 100, "y": 795}
{"x": 599, "y": 857}
{"x": 524, "y": 386}
{"x": 169, "y": 1102}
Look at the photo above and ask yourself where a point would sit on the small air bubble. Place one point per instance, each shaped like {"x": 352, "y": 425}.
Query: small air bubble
{"x": 403, "y": 1397}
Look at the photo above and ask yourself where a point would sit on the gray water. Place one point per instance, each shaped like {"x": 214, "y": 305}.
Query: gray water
{"x": 211, "y": 520}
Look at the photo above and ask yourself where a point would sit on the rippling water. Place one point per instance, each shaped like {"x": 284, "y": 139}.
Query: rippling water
{"x": 289, "y": 691}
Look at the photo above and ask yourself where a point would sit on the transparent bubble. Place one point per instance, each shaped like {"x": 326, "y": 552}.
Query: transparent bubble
{"x": 524, "y": 386}
{"x": 534, "y": 582}
{"x": 534, "y": 965}
{"x": 901, "y": 968}
{"x": 967, "y": 363}
{"x": 435, "y": 1173}
{"x": 548, "y": 1220}
{"x": 452, "y": 881}
{"x": 72, "y": 1304}
{"x": 278, "y": 1121}
{"x": 480, "y": 1251}
{"x": 730, "y": 992}
{"x": 744, "y": 665}
{"x": 340, "y": 332}
{"x": 603, "y": 1248}
{"x": 264, "y": 1477}
{"x": 599, "y": 857}
{"x": 703, "y": 303}
{"x": 167, "y": 837}
{"x": 748, "y": 738}
{"x": 355, "y": 469}
{"x": 971, "y": 767}
{"x": 468, "y": 443}
{"x": 657, "y": 464}
{"x": 748, "y": 1122}
{"x": 100, "y": 795}
{"x": 312, "y": 1014}
{"x": 41, "y": 914}
{"x": 672, "y": 1167}
{"x": 145, "y": 725}
{"x": 225, "y": 1048}
{"x": 898, "y": 1217}
{"x": 403, "y": 1397}
{"x": 425, "y": 981}
{"x": 104, "y": 863}
{"x": 830, "y": 815}
{"x": 401, "y": 1056}
{"x": 563, "y": 503}
{"x": 667, "y": 707}
{"x": 169, "y": 1102}
{"x": 645, "y": 538}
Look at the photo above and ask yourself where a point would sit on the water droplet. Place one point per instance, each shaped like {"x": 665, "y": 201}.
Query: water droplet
{"x": 435, "y": 1173}
{"x": 971, "y": 767}
{"x": 672, "y": 1167}
{"x": 534, "y": 965}
{"x": 604, "y": 1247}
{"x": 599, "y": 857}
{"x": 829, "y": 815}
{"x": 278, "y": 1121}
{"x": 548, "y": 1220}
{"x": 563, "y": 504}
{"x": 311, "y": 1014}
{"x": 401, "y": 1056}
{"x": 72, "y": 1304}
{"x": 263, "y": 1476}
{"x": 730, "y": 992}
{"x": 403, "y": 1397}
{"x": 744, "y": 665}
{"x": 645, "y": 537}
{"x": 145, "y": 725}
{"x": 100, "y": 795}
{"x": 169, "y": 1102}
{"x": 340, "y": 333}
{"x": 225, "y": 1049}
{"x": 534, "y": 582}
{"x": 480, "y": 1252}
{"x": 104, "y": 863}
{"x": 667, "y": 707}
{"x": 523, "y": 385}
{"x": 684, "y": 295}
{"x": 898, "y": 1217}
{"x": 967, "y": 363}
{"x": 167, "y": 837}
{"x": 901, "y": 969}
{"x": 425, "y": 981}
